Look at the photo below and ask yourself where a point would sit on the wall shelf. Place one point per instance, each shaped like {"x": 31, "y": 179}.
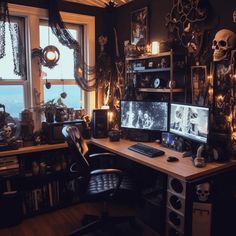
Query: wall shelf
{"x": 159, "y": 90}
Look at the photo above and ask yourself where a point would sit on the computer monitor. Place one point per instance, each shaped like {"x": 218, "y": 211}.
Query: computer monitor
{"x": 144, "y": 115}
{"x": 189, "y": 121}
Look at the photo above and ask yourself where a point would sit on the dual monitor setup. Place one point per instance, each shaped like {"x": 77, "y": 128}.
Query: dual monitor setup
{"x": 147, "y": 120}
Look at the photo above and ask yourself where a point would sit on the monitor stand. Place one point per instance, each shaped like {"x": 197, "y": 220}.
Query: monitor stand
{"x": 143, "y": 135}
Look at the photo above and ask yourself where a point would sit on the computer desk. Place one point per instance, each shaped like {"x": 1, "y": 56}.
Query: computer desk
{"x": 184, "y": 210}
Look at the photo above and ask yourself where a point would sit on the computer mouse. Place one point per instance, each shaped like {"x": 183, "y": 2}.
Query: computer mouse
{"x": 172, "y": 159}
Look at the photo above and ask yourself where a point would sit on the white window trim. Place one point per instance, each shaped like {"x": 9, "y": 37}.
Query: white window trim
{"x": 33, "y": 16}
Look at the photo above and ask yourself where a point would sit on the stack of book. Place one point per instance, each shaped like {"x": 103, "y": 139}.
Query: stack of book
{"x": 9, "y": 165}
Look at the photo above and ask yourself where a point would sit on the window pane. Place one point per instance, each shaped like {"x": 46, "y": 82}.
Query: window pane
{"x": 12, "y": 96}
{"x": 74, "y": 96}
{"x": 7, "y": 61}
{"x": 65, "y": 66}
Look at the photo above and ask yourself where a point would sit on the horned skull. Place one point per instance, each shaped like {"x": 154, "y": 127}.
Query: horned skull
{"x": 223, "y": 43}
{"x": 203, "y": 191}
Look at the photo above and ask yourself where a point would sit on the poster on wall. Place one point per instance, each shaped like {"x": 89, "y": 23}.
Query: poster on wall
{"x": 200, "y": 85}
{"x": 139, "y": 26}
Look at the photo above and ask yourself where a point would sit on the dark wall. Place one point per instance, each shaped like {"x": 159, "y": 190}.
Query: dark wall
{"x": 220, "y": 16}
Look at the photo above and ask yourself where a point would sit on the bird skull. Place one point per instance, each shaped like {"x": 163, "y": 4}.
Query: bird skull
{"x": 223, "y": 43}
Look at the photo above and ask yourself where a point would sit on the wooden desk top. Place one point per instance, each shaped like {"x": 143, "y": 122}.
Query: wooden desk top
{"x": 182, "y": 169}
{"x": 30, "y": 149}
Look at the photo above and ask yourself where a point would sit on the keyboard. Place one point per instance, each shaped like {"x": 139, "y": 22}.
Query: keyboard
{"x": 146, "y": 150}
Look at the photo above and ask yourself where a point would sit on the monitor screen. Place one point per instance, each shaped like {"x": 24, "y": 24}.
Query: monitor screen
{"x": 144, "y": 115}
{"x": 189, "y": 121}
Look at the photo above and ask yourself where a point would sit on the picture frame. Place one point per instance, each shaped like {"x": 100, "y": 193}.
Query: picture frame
{"x": 139, "y": 27}
{"x": 199, "y": 84}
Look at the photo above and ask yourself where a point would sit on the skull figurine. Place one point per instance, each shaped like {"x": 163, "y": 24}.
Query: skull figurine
{"x": 223, "y": 43}
{"x": 203, "y": 191}
{"x": 7, "y": 132}
{"x": 233, "y": 138}
{"x": 234, "y": 16}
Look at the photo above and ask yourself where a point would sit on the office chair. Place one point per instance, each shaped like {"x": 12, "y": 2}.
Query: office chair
{"x": 96, "y": 185}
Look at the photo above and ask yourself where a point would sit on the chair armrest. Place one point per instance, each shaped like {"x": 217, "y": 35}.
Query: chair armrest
{"x": 102, "y": 154}
{"x": 119, "y": 174}
{"x": 107, "y": 171}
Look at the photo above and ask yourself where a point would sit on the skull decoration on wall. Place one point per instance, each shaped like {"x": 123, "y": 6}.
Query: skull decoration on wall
{"x": 223, "y": 43}
{"x": 203, "y": 191}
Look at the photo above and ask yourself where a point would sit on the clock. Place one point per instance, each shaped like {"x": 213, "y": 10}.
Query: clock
{"x": 156, "y": 83}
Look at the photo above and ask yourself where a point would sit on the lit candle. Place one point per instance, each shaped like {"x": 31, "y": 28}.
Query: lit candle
{"x": 155, "y": 47}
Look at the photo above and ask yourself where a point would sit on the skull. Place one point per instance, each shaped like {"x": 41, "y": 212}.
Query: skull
{"x": 234, "y": 16}
{"x": 203, "y": 191}
{"x": 7, "y": 131}
{"x": 223, "y": 43}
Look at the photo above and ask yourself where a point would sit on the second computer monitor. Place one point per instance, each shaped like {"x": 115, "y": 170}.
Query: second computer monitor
{"x": 189, "y": 121}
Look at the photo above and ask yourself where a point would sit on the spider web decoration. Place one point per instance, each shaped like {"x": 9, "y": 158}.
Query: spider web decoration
{"x": 66, "y": 39}
{"x": 183, "y": 22}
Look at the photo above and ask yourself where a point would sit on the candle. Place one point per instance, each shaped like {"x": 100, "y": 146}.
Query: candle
{"x": 155, "y": 47}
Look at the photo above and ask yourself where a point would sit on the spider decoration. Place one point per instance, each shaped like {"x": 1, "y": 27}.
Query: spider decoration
{"x": 183, "y": 21}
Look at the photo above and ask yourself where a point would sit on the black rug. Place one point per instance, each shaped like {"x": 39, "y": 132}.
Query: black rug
{"x": 123, "y": 229}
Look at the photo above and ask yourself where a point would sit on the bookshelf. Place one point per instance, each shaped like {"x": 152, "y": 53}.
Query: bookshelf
{"x": 40, "y": 176}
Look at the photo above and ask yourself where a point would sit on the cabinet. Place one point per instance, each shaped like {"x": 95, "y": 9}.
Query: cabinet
{"x": 161, "y": 76}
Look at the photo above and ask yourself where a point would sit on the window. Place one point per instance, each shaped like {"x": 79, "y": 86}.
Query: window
{"x": 61, "y": 76}
{"x": 12, "y": 86}
{"x": 20, "y": 92}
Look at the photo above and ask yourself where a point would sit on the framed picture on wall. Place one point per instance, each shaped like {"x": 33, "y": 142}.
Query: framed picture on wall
{"x": 199, "y": 84}
{"x": 139, "y": 26}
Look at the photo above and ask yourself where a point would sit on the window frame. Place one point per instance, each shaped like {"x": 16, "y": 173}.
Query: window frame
{"x": 32, "y": 17}
{"x": 24, "y": 80}
{"x": 60, "y": 81}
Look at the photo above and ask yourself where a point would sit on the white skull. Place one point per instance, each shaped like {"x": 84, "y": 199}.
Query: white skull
{"x": 223, "y": 43}
{"x": 7, "y": 131}
{"x": 203, "y": 191}
{"x": 234, "y": 16}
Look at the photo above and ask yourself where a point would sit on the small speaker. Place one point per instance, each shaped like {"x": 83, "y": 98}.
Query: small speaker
{"x": 100, "y": 123}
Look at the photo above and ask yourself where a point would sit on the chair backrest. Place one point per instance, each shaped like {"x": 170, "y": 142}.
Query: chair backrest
{"x": 78, "y": 149}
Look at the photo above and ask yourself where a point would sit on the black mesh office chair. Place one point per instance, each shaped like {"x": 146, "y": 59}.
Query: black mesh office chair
{"x": 99, "y": 184}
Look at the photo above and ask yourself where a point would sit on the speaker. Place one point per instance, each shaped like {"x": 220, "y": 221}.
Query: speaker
{"x": 175, "y": 211}
{"x": 100, "y": 123}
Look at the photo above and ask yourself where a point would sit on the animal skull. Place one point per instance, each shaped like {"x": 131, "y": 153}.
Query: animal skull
{"x": 223, "y": 43}
{"x": 203, "y": 191}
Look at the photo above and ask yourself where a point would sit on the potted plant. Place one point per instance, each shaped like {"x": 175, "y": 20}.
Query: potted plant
{"x": 52, "y": 108}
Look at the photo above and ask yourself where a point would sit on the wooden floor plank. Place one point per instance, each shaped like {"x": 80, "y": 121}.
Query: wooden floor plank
{"x": 63, "y": 221}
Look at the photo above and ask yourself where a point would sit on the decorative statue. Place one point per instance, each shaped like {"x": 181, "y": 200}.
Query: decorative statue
{"x": 224, "y": 105}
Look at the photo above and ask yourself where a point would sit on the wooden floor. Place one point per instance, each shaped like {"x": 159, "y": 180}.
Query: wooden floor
{"x": 63, "y": 221}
